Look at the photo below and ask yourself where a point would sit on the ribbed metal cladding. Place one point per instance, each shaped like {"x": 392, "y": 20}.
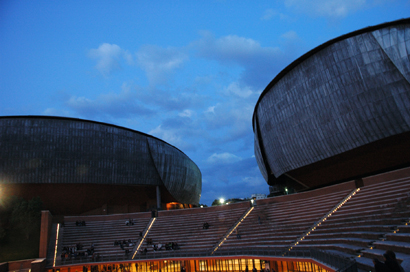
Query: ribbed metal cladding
{"x": 346, "y": 94}
{"x": 35, "y": 149}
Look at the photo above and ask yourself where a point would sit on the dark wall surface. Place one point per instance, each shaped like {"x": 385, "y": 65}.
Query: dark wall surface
{"x": 53, "y": 150}
{"x": 350, "y": 92}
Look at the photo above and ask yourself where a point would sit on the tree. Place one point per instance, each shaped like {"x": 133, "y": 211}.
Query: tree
{"x": 2, "y": 233}
{"x": 26, "y": 215}
{"x": 216, "y": 202}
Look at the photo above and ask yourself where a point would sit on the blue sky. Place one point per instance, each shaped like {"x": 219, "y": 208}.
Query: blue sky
{"x": 187, "y": 72}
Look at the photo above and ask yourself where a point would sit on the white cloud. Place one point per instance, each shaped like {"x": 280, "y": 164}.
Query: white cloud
{"x": 128, "y": 57}
{"x": 253, "y": 181}
{"x": 269, "y": 14}
{"x": 327, "y": 8}
{"x": 224, "y": 158}
{"x": 158, "y": 63}
{"x": 231, "y": 118}
{"x": 290, "y": 35}
{"x": 241, "y": 91}
{"x": 168, "y": 136}
{"x": 186, "y": 113}
{"x": 118, "y": 105}
{"x": 210, "y": 109}
{"x": 234, "y": 49}
{"x": 56, "y": 112}
{"x": 259, "y": 64}
{"x": 108, "y": 58}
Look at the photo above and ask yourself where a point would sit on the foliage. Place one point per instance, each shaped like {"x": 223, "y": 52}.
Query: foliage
{"x": 20, "y": 228}
{"x": 26, "y": 215}
{"x": 216, "y": 202}
{"x": 2, "y": 233}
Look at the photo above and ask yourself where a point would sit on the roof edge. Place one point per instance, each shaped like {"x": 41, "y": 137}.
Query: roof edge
{"x": 95, "y": 122}
{"x": 296, "y": 62}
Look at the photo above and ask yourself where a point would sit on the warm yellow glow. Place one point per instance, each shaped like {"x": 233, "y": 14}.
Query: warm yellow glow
{"x": 328, "y": 215}
{"x": 55, "y": 250}
{"x": 145, "y": 235}
{"x": 233, "y": 229}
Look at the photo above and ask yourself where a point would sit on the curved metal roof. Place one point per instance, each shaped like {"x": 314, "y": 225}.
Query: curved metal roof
{"x": 345, "y": 94}
{"x": 45, "y": 149}
{"x": 296, "y": 62}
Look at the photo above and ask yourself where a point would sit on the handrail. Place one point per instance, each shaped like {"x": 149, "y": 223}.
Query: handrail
{"x": 321, "y": 220}
{"x": 137, "y": 246}
{"x": 232, "y": 229}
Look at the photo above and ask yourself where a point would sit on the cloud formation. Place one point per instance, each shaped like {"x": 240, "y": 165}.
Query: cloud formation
{"x": 270, "y": 14}
{"x": 326, "y": 8}
{"x": 259, "y": 63}
{"x": 108, "y": 58}
{"x": 223, "y": 158}
{"x": 233, "y": 49}
{"x": 112, "y": 105}
{"x": 159, "y": 63}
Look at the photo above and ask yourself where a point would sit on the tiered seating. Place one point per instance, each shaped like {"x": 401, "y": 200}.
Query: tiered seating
{"x": 103, "y": 232}
{"x": 279, "y": 224}
{"x": 373, "y": 220}
{"x": 368, "y": 224}
{"x": 185, "y": 227}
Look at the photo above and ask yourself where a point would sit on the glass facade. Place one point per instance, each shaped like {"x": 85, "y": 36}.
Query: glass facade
{"x": 209, "y": 265}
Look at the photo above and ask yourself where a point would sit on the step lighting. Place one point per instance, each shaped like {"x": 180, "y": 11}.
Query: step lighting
{"x": 55, "y": 251}
{"x": 145, "y": 235}
{"x": 232, "y": 230}
{"x": 325, "y": 217}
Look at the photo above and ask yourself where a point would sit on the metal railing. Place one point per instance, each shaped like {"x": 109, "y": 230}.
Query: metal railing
{"x": 341, "y": 263}
{"x": 335, "y": 261}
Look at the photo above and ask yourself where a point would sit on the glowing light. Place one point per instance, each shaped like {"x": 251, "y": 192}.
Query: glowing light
{"x": 233, "y": 229}
{"x": 221, "y": 200}
{"x": 145, "y": 235}
{"x": 55, "y": 251}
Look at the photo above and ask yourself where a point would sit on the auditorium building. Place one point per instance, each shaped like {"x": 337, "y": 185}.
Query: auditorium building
{"x": 84, "y": 167}
{"x": 339, "y": 112}
{"x": 334, "y": 126}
